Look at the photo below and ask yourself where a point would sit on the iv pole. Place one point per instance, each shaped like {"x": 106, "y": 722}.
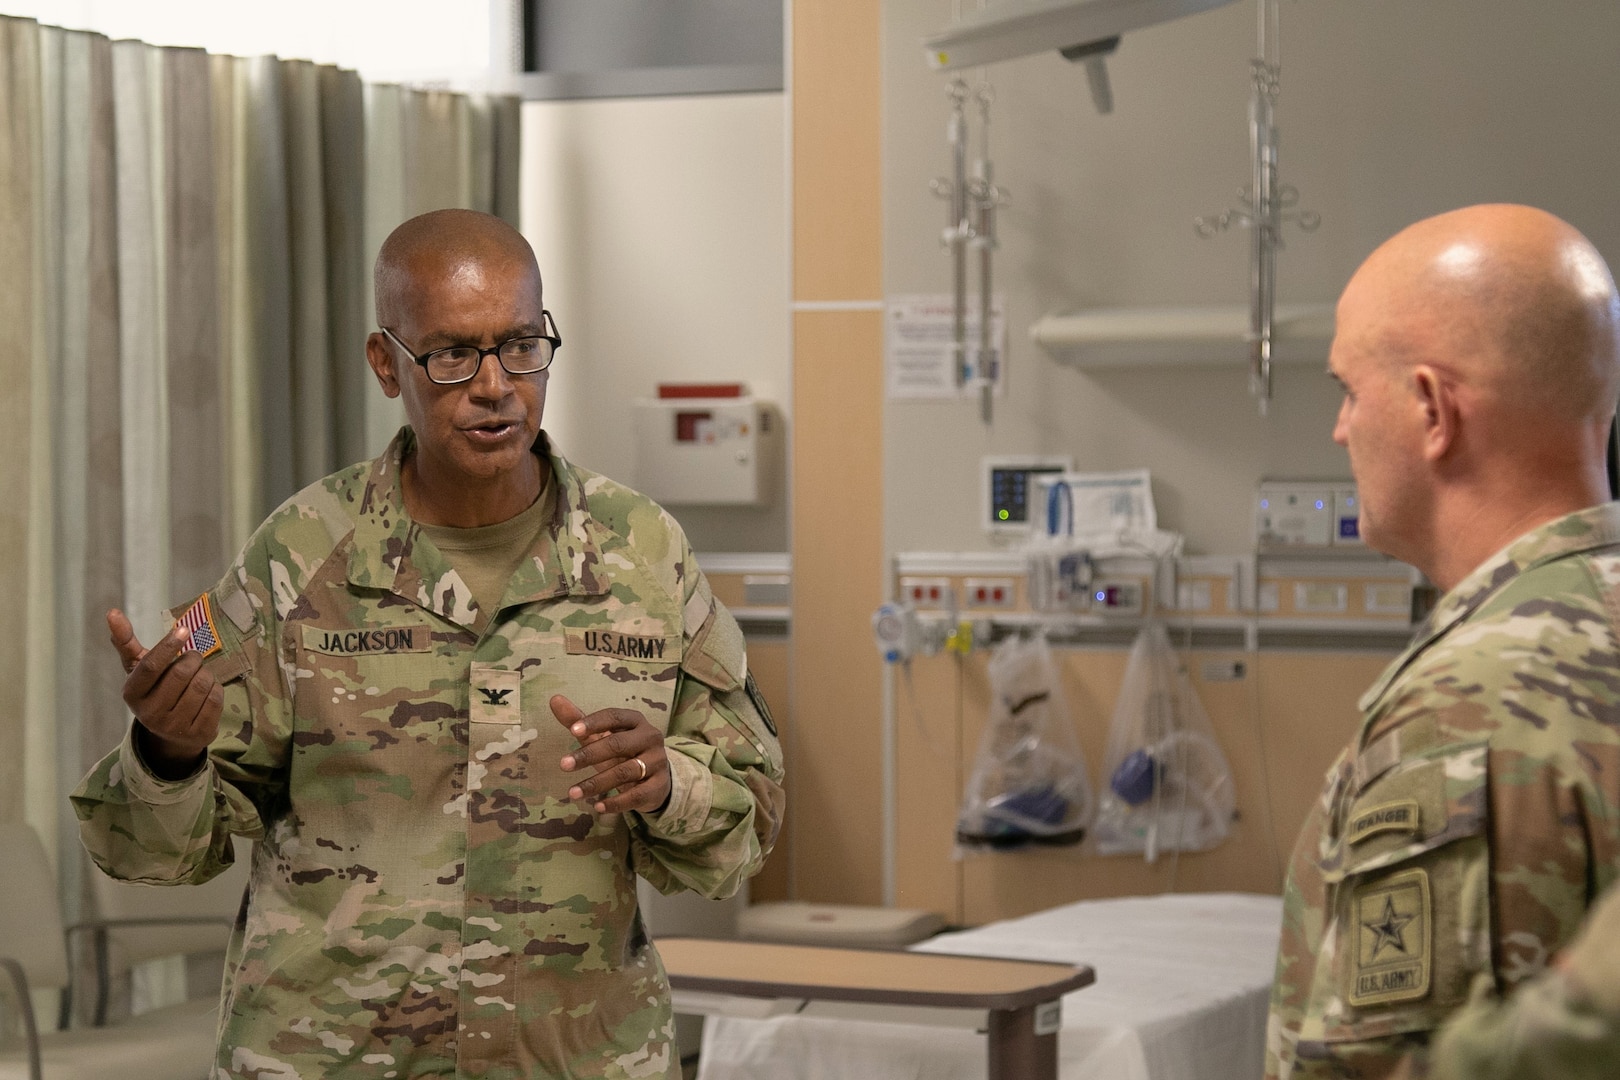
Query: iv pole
{"x": 970, "y": 223}
{"x": 984, "y": 195}
{"x": 957, "y": 226}
{"x": 1264, "y": 206}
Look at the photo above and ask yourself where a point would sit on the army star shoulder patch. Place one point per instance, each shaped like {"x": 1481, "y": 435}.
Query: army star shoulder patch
{"x": 199, "y": 619}
{"x": 1392, "y": 957}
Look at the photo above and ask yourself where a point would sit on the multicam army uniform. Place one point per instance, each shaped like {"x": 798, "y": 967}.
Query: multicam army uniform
{"x": 1473, "y": 819}
{"x": 1562, "y": 1025}
{"x": 424, "y": 899}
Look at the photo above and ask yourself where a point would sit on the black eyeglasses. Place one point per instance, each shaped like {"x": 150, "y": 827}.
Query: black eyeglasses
{"x": 528, "y": 355}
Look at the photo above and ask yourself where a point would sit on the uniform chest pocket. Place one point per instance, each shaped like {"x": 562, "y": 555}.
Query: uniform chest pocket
{"x": 516, "y": 740}
{"x": 372, "y": 690}
{"x": 1408, "y": 879}
{"x": 612, "y": 669}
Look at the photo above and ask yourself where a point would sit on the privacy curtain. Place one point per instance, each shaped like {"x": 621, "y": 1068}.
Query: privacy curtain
{"x": 185, "y": 251}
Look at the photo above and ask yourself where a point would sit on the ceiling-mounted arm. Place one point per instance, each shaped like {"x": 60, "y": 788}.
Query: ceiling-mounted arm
{"x": 1010, "y": 30}
{"x": 1091, "y": 54}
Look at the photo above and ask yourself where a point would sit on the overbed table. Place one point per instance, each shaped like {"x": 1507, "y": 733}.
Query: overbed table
{"x": 1015, "y": 1001}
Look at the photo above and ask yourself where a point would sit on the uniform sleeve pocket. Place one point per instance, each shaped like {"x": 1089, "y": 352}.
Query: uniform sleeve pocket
{"x": 716, "y": 656}
{"x": 1409, "y": 882}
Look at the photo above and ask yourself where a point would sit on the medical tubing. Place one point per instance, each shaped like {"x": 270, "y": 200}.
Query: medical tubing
{"x": 1052, "y": 506}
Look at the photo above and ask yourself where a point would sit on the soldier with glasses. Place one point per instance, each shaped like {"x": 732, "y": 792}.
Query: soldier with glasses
{"x": 460, "y": 697}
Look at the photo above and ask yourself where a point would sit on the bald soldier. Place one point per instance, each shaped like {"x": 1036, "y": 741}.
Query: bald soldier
{"x": 1474, "y": 817}
{"x": 460, "y": 697}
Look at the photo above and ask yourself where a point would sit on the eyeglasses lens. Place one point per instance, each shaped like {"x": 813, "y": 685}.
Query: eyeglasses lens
{"x": 519, "y": 356}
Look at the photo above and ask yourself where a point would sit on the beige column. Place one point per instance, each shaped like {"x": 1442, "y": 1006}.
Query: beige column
{"x": 835, "y": 773}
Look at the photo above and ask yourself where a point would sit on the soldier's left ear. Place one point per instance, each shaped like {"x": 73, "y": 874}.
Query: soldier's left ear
{"x": 381, "y": 359}
{"x": 1436, "y": 397}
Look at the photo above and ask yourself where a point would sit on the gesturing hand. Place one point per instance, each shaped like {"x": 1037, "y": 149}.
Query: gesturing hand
{"x": 625, "y": 750}
{"x": 174, "y": 698}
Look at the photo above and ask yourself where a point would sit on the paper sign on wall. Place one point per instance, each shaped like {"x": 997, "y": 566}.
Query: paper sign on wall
{"x": 918, "y": 347}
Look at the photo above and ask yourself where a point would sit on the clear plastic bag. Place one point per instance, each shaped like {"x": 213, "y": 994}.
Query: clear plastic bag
{"x": 1168, "y": 786}
{"x": 1029, "y": 783}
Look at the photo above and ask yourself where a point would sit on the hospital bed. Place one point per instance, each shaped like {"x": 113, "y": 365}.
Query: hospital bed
{"x": 1182, "y": 984}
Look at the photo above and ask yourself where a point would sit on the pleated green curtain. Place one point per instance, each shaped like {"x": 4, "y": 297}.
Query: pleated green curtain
{"x": 21, "y": 304}
{"x": 185, "y": 295}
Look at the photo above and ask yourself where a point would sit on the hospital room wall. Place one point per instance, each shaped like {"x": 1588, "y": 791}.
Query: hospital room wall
{"x": 660, "y": 226}
{"x": 1390, "y": 110}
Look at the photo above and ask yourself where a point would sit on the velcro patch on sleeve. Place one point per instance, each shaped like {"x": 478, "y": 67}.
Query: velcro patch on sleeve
{"x": 234, "y": 602}
{"x": 718, "y": 655}
{"x": 1402, "y": 815}
{"x": 1392, "y": 958}
{"x": 696, "y": 612}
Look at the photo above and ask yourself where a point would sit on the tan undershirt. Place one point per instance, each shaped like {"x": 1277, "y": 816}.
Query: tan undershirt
{"x": 488, "y": 556}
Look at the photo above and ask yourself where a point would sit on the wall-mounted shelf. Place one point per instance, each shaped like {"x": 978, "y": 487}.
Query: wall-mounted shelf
{"x": 1149, "y": 337}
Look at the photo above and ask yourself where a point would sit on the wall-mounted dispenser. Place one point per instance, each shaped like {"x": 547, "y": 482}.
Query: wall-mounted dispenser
{"x": 709, "y": 444}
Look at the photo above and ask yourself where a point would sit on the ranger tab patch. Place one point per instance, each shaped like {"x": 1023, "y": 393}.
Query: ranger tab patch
{"x": 199, "y": 619}
{"x": 1392, "y": 958}
{"x": 620, "y": 646}
{"x": 1399, "y": 816}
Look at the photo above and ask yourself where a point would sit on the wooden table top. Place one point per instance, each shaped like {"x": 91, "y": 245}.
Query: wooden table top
{"x": 765, "y": 970}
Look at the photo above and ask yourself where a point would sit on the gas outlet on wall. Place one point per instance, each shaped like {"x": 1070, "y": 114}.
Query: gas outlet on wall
{"x": 1116, "y": 597}
{"x": 989, "y": 593}
{"x": 927, "y": 592}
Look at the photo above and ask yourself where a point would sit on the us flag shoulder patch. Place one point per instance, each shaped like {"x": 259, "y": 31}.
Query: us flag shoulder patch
{"x": 199, "y": 619}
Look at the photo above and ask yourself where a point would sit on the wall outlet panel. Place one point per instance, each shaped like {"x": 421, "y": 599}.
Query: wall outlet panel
{"x": 927, "y": 592}
{"x": 1388, "y": 598}
{"x": 1194, "y": 596}
{"x": 1294, "y": 514}
{"x": 1320, "y": 598}
{"x": 1117, "y": 597}
{"x": 995, "y": 593}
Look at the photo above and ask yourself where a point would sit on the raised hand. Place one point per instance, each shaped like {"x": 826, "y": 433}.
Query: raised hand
{"x": 175, "y": 700}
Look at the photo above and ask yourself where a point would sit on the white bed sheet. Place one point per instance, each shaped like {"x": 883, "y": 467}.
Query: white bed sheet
{"x": 1182, "y": 988}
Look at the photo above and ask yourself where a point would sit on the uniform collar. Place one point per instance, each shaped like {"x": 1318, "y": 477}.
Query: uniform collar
{"x": 392, "y": 553}
{"x": 1584, "y": 530}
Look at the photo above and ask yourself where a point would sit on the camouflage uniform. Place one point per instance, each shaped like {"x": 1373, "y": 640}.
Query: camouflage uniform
{"x": 1473, "y": 819}
{"x": 424, "y": 899}
{"x": 1562, "y": 1025}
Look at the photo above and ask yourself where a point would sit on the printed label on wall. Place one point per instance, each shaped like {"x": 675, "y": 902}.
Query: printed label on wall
{"x": 919, "y": 348}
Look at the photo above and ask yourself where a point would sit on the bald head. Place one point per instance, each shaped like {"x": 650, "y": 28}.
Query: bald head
{"x": 443, "y": 245}
{"x": 1508, "y": 300}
